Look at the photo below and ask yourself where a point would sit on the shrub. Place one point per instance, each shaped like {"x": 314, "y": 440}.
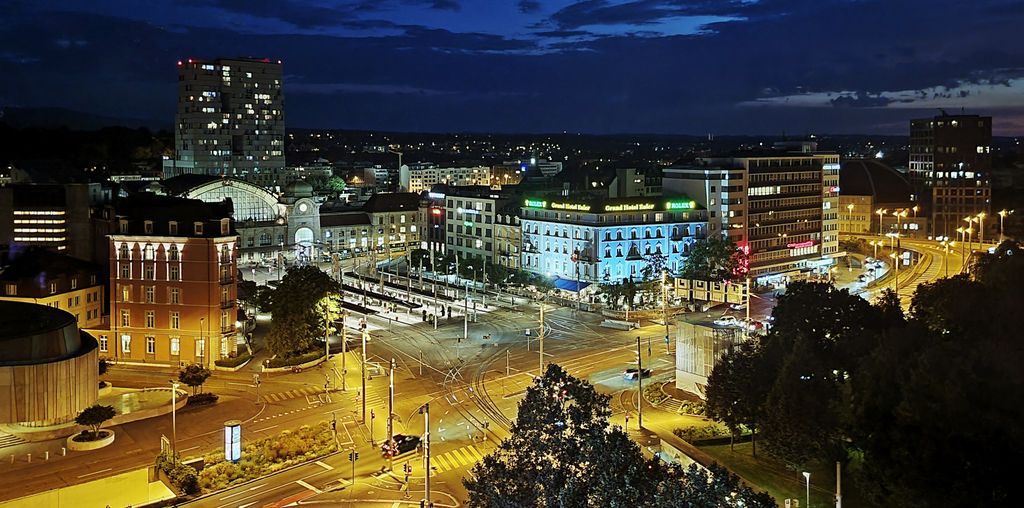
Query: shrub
{"x": 183, "y": 477}
{"x": 287, "y": 361}
{"x": 200, "y": 399}
{"x": 692, "y": 434}
{"x": 693, "y": 408}
{"x": 654, "y": 394}
{"x": 233, "y": 361}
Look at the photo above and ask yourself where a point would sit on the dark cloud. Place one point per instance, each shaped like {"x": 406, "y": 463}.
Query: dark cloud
{"x": 528, "y": 6}
{"x": 381, "y": 65}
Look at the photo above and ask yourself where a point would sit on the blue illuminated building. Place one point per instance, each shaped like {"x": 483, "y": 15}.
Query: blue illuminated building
{"x": 608, "y": 240}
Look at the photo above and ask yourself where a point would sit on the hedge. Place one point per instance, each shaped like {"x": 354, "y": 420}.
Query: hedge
{"x": 200, "y": 399}
{"x": 233, "y": 361}
{"x": 287, "y": 361}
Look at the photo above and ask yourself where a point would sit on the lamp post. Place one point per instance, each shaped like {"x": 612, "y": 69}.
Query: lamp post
{"x": 849, "y": 215}
{"x": 1002, "y": 215}
{"x": 807, "y": 476}
{"x": 881, "y": 212}
{"x": 202, "y": 339}
{"x": 874, "y": 244}
{"x": 915, "y": 209}
{"x": 896, "y": 276}
{"x": 664, "y": 304}
{"x": 174, "y": 418}
{"x": 981, "y": 229}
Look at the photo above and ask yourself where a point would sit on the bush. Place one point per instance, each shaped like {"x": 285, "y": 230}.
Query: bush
{"x": 182, "y": 476}
{"x": 233, "y": 361}
{"x": 653, "y": 393}
{"x": 200, "y": 399}
{"x": 288, "y": 361}
{"x": 692, "y": 434}
{"x": 693, "y": 408}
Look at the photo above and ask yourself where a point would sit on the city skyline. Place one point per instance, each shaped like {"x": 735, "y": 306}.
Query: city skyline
{"x": 597, "y": 66}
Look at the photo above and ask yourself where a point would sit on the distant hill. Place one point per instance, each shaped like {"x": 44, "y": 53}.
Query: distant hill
{"x": 18, "y": 117}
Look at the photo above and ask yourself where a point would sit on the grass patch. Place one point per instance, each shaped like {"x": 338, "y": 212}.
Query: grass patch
{"x": 288, "y": 361}
{"x": 768, "y": 474}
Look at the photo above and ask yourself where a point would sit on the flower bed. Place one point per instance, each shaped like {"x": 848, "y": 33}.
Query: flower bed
{"x": 264, "y": 456}
{"x": 201, "y": 399}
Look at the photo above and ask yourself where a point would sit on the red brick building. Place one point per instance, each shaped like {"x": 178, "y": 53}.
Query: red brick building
{"x": 173, "y": 271}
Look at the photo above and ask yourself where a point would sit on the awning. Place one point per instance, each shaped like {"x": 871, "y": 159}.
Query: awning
{"x": 570, "y": 285}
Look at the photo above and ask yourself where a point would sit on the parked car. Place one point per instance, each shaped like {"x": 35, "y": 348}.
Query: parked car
{"x": 631, "y": 373}
{"x": 403, "y": 444}
{"x": 738, "y": 306}
{"x": 727, "y": 321}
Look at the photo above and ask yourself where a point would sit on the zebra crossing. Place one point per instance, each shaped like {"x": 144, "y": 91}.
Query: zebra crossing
{"x": 9, "y": 440}
{"x": 456, "y": 459}
{"x": 292, "y": 394}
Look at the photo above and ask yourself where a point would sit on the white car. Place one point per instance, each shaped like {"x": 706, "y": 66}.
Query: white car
{"x": 727, "y": 321}
{"x": 738, "y": 306}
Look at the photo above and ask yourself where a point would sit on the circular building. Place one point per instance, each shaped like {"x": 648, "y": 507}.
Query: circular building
{"x": 48, "y": 367}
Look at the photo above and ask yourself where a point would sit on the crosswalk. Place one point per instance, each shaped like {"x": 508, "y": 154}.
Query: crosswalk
{"x": 9, "y": 440}
{"x": 292, "y": 394}
{"x": 456, "y": 459}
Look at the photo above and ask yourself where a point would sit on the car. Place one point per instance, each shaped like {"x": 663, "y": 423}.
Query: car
{"x": 630, "y": 373}
{"x": 402, "y": 444}
{"x": 738, "y": 306}
{"x": 862, "y": 278}
{"x": 727, "y": 321}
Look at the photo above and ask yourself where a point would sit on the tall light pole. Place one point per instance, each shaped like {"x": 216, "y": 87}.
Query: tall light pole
{"x": 362, "y": 371}
{"x": 344, "y": 348}
{"x": 391, "y": 413}
{"x": 896, "y": 278}
{"x": 881, "y": 212}
{"x": 174, "y": 418}
{"x": 664, "y": 304}
{"x": 639, "y": 386}
{"x": 807, "y": 476}
{"x": 1002, "y": 215}
{"x": 540, "y": 336}
{"x": 849, "y": 215}
{"x": 425, "y": 410}
{"x": 202, "y": 339}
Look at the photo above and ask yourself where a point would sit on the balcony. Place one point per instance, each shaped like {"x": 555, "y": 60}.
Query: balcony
{"x": 227, "y": 304}
{"x": 227, "y": 279}
{"x": 228, "y": 329}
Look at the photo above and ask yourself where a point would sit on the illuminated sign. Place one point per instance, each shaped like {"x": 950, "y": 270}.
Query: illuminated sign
{"x": 638, "y": 207}
{"x": 467, "y": 223}
{"x": 232, "y": 440}
{"x": 579, "y": 207}
{"x": 800, "y": 245}
{"x": 435, "y": 195}
{"x": 680, "y": 205}
{"x": 435, "y": 211}
{"x": 469, "y": 211}
{"x": 834, "y": 188}
{"x": 535, "y": 203}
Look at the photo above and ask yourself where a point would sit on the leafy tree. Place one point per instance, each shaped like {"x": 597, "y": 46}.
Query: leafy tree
{"x": 737, "y": 389}
{"x": 336, "y": 184}
{"x": 301, "y": 310}
{"x": 103, "y": 366}
{"x": 716, "y": 258}
{"x": 194, "y": 376}
{"x": 264, "y": 298}
{"x": 247, "y": 293}
{"x": 94, "y": 416}
{"x": 562, "y": 452}
{"x": 654, "y": 264}
{"x": 420, "y": 257}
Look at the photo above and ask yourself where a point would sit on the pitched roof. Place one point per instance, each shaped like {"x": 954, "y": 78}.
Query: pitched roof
{"x": 392, "y": 202}
{"x": 343, "y": 219}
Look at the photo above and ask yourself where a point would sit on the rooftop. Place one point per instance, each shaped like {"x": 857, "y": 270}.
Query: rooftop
{"x": 392, "y": 202}
{"x": 869, "y": 177}
{"x": 32, "y": 263}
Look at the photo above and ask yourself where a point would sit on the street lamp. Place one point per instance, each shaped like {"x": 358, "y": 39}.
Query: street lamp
{"x": 807, "y": 476}
{"x": 881, "y": 212}
{"x": 849, "y": 215}
{"x": 174, "y": 418}
{"x": 1002, "y": 215}
{"x": 915, "y": 209}
{"x": 875, "y": 245}
{"x": 896, "y": 277}
{"x": 981, "y": 229}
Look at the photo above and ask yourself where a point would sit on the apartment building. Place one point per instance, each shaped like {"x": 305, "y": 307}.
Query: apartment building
{"x": 419, "y": 177}
{"x": 56, "y": 280}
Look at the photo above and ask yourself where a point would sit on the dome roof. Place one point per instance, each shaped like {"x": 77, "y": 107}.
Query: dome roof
{"x": 298, "y": 189}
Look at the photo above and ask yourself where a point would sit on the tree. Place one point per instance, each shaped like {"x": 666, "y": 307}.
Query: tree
{"x": 300, "y": 308}
{"x": 562, "y": 452}
{"x": 194, "y": 376}
{"x": 336, "y": 184}
{"x": 715, "y": 258}
{"x": 420, "y": 257}
{"x": 103, "y": 365}
{"x": 737, "y": 389}
{"x": 94, "y": 416}
{"x": 654, "y": 264}
{"x": 248, "y": 293}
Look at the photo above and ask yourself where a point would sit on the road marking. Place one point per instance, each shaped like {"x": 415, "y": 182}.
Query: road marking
{"x": 268, "y": 428}
{"x": 308, "y": 486}
{"x": 323, "y": 465}
{"x": 96, "y": 472}
{"x": 240, "y": 384}
{"x": 250, "y": 489}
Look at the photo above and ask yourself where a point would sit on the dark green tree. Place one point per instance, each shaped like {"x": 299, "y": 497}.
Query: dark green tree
{"x": 420, "y": 257}
{"x": 715, "y": 258}
{"x": 335, "y": 184}
{"x": 654, "y": 264}
{"x": 738, "y": 388}
{"x": 562, "y": 452}
{"x": 94, "y": 416}
{"x": 247, "y": 293}
{"x": 194, "y": 376}
{"x": 301, "y": 310}
{"x": 103, "y": 366}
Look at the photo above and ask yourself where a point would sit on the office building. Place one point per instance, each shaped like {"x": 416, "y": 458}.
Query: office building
{"x": 782, "y": 208}
{"x": 70, "y": 218}
{"x": 230, "y": 118}
{"x": 508, "y": 235}
{"x": 950, "y": 161}
{"x": 173, "y": 269}
{"x": 419, "y": 177}
{"x": 56, "y": 280}
{"x": 394, "y": 217}
{"x": 470, "y": 221}
{"x": 604, "y": 240}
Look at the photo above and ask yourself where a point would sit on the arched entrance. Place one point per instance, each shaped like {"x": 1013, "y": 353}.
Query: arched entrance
{"x": 303, "y": 244}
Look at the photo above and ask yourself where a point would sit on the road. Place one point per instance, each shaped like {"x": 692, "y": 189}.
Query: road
{"x": 472, "y": 385}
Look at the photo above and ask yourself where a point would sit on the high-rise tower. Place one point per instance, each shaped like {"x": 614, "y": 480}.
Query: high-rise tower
{"x": 230, "y": 118}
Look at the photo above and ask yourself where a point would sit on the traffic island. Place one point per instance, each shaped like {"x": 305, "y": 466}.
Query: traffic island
{"x": 85, "y": 441}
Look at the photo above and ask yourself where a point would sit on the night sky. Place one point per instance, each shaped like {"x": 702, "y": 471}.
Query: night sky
{"x": 594, "y": 66}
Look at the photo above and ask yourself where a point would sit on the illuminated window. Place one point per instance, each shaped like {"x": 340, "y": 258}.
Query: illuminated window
{"x": 150, "y": 294}
{"x": 126, "y": 343}
{"x": 175, "y": 346}
{"x": 150, "y": 319}
{"x": 103, "y": 344}
{"x": 175, "y": 295}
